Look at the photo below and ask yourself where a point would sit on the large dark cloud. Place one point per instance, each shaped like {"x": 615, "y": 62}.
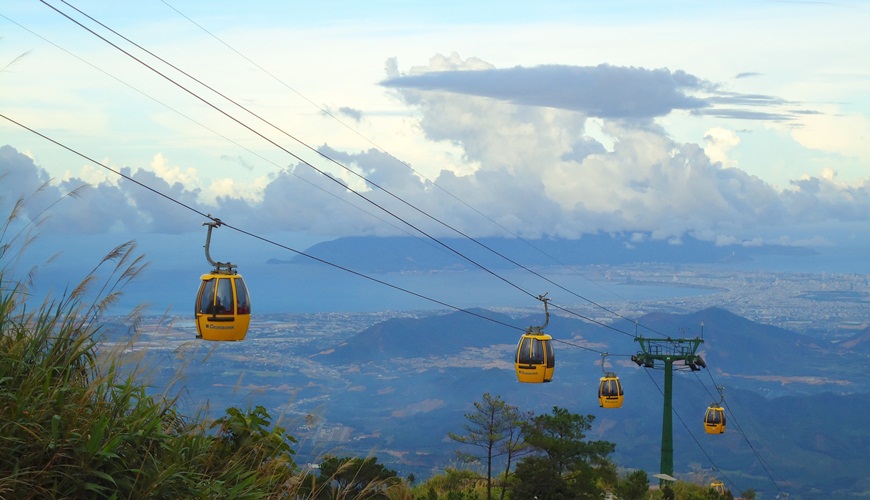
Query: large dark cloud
{"x": 601, "y": 91}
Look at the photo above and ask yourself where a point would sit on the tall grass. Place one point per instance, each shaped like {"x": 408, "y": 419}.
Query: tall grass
{"x": 77, "y": 421}
{"x": 75, "y": 424}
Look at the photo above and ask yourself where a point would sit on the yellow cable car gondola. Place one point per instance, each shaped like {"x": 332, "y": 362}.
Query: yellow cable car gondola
{"x": 714, "y": 419}
{"x": 223, "y": 305}
{"x": 718, "y": 487}
{"x": 610, "y": 394}
{"x": 535, "y": 360}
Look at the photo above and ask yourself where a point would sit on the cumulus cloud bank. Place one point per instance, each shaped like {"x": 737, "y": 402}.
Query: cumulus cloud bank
{"x": 536, "y": 168}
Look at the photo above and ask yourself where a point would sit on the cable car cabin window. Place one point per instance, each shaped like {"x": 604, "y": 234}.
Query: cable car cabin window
{"x": 216, "y": 297}
{"x": 223, "y": 303}
{"x": 243, "y": 304}
{"x": 715, "y": 416}
{"x": 206, "y": 297}
{"x": 551, "y": 357}
{"x": 610, "y": 387}
{"x": 531, "y": 352}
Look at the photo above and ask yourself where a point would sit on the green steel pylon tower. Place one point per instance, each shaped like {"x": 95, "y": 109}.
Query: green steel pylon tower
{"x": 668, "y": 350}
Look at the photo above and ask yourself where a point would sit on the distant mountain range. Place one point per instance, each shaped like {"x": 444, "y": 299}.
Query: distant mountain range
{"x": 435, "y": 336}
{"x": 796, "y": 405}
{"x": 386, "y": 254}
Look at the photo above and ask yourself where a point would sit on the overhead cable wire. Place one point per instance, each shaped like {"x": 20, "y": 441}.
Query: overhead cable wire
{"x": 371, "y": 278}
{"x": 192, "y": 120}
{"x": 110, "y": 169}
{"x": 710, "y": 393}
{"x": 332, "y": 115}
{"x": 740, "y": 431}
{"x": 294, "y": 155}
{"x": 274, "y": 143}
{"x": 330, "y": 159}
{"x": 597, "y": 351}
{"x": 254, "y": 235}
{"x": 264, "y": 239}
{"x": 761, "y": 461}
{"x": 327, "y": 112}
{"x": 591, "y": 320}
{"x": 299, "y": 141}
{"x": 691, "y": 434}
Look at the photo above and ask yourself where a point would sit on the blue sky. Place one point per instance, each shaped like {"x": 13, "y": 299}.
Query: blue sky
{"x": 737, "y": 122}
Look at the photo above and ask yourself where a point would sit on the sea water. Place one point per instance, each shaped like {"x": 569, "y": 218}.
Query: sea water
{"x": 169, "y": 285}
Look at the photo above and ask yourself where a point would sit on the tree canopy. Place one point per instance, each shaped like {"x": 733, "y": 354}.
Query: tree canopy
{"x": 495, "y": 429}
{"x": 560, "y": 440}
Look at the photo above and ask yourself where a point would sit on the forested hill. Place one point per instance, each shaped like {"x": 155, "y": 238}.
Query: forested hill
{"x": 384, "y": 254}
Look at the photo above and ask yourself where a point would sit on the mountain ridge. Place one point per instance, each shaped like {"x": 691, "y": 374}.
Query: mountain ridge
{"x": 408, "y": 253}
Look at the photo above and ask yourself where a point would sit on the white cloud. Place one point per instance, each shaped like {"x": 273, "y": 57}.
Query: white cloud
{"x": 222, "y": 188}
{"x": 835, "y": 132}
{"x": 646, "y": 182}
{"x": 172, "y": 174}
{"x": 530, "y": 161}
{"x": 91, "y": 175}
{"x": 718, "y": 142}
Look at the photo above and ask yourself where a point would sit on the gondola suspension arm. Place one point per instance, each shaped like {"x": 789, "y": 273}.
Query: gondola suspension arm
{"x": 229, "y": 267}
